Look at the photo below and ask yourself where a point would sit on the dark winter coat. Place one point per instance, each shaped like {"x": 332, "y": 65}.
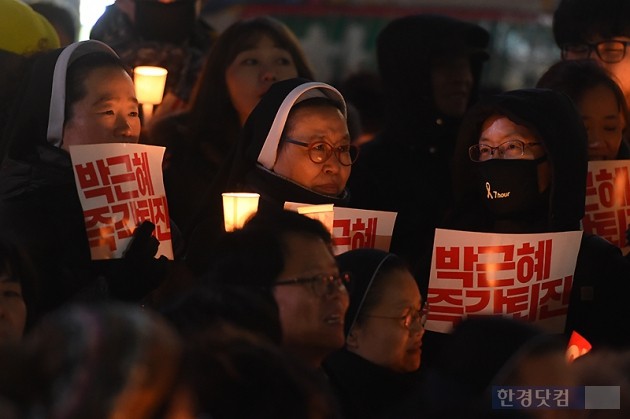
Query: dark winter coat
{"x": 602, "y": 275}
{"x": 365, "y": 390}
{"x": 40, "y": 210}
{"x": 250, "y": 165}
{"x": 407, "y": 167}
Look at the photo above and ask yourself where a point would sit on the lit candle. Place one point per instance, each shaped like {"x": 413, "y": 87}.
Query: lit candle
{"x": 149, "y": 82}
{"x": 323, "y": 213}
{"x": 238, "y": 207}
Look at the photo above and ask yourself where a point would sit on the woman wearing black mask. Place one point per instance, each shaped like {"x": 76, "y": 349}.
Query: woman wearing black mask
{"x": 514, "y": 173}
{"x": 513, "y": 150}
{"x": 520, "y": 167}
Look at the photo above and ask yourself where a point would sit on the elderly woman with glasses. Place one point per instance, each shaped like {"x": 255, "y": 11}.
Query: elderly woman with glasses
{"x": 295, "y": 147}
{"x": 377, "y": 371}
{"x": 521, "y": 165}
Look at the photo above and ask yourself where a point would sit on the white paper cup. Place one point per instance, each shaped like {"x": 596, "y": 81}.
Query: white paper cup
{"x": 238, "y": 207}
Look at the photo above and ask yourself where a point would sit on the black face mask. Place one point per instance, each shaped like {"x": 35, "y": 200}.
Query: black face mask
{"x": 510, "y": 187}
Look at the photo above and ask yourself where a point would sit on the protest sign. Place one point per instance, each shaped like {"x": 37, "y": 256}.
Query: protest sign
{"x": 358, "y": 228}
{"x": 120, "y": 186}
{"x": 608, "y": 201}
{"x": 525, "y": 276}
{"x": 351, "y": 228}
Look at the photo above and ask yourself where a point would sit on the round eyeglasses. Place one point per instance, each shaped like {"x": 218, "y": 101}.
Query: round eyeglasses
{"x": 608, "y": 51}
{"x": 321, "y": 285}
{"x": 411, "y": 318}
{"x": 510, "y": 150}
{"x": 320, "y": 151}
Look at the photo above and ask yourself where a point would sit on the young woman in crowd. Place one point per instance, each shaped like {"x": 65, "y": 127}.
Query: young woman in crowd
{"x": 430, "y": 68}
{"x": 599, "y": 100}
{"x": 246, "y": 59}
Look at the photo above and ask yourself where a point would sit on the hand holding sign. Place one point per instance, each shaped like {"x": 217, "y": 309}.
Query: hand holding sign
{"x": 143, "y": 244}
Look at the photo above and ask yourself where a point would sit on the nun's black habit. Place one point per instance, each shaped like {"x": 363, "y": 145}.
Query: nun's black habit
{"x": 40, "y": 210}
{"x": 364, "y": 389}
{"x": 251, "y": 163}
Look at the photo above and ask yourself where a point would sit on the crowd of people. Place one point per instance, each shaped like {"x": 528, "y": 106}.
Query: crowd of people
{"x": 268, "y": 321}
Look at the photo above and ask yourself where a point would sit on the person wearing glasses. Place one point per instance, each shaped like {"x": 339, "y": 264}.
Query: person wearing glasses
{"x": 599, "y": 30}
{"x": 311, "y": 291}
{"x": 287, "y": 259}
{"x": 246, "y": 59}
{"x": 377, "y": 371}
{"x": 520, "y": 167}
{"x": 295, "y": 147}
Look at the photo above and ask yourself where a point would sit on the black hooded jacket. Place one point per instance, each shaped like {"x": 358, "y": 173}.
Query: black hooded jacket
{"x": 602, "y": 275}
{"x": 407, "y": 167}
{"x": 554, "y": 119}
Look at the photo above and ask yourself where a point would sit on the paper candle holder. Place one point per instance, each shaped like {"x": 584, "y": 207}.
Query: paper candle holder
{"x": 149, "y": 83}
{"x": 238, "y": 207}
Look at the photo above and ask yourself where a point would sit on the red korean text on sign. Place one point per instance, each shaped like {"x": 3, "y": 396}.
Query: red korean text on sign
{"x": 608, "y": 204}
{"x": 127, "y": 197}
{"x": 356, "y": 233}
{"x": 506, "y": 280}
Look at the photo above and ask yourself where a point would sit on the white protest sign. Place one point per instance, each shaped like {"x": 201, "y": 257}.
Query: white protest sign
{"x": 525, "y": 276}
{"x": 120, "y": 185}
{"x": 351, "y": 228}
{"x": 608, "y": 201}
{"x": 358, "y": 228}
